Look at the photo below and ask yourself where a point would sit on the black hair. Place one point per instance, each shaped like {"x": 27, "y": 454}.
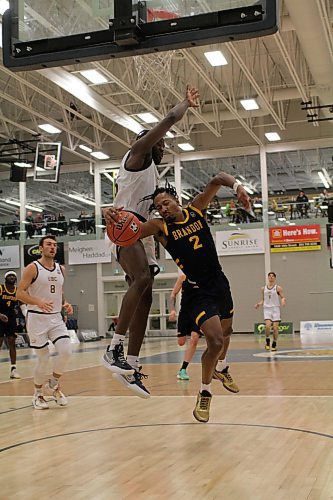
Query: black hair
{"x": 271, "y": 272}
{"x": 47, "y": 237}
{"x": 168, "y": 188}
{"x": 142, "y": 134}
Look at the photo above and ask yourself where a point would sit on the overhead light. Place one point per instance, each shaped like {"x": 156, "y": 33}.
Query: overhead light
{"x": 94, "y": 76}
{"x": 81, "y": 198}
{"x": 186, "y": 146}
{"x": 56, "y": 229}
{"x": 241, "y": 177}
{"x": 22, "y": 164}
{"x": 249, "y": 104}
{"x": 34, "y": 209}
{"x": 327, "y": 176}
{"x": 50, "y": 129}
{"x": 85, "y": 148}
{"x": 99, "y": 155}
{"x": 323, "y": 180}
{"x": 4, "y": 5}
{"x": 18, "y": 204}
{"x": 248, "y": 189}
{"x": 148, "y": 117}
{"x": 183, "y": 195}
{"x": 216, "y": 58}
{"x": 170, "y": 135}
{"x": 273, "y": 136}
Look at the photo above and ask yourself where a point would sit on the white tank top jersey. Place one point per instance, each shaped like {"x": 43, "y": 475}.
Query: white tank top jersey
{"x": 271, "y": 297}
{"x": 48, "y": 285}
{"x": 133, "y": 186}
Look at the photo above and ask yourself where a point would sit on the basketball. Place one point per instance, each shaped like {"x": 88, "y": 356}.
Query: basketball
{"x": 126, "y": 231}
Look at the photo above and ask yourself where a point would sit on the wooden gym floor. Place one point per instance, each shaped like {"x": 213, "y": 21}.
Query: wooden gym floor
{"x": 273, "y": 440}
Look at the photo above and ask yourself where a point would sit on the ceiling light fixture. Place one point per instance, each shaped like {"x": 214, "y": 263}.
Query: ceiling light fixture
{"x": 18, "y": 204}
{"x": 248, "y": 189}
{"x": 85, "y": 148}
{"x": 216, "y": 58}
{"x": 94, "y": 76}
{"x": 50, "y": 129}
{"x": 272, "y": 136}
{"x": 327, "y": 176}
{"x": 249, "y": 104}
{"x": 148, "y": 117}
{"x": 186, "y": 146}
{"x": 99, "y": 155}
{"x": 323, "y": 180}
{"x": 183, "y": 195}
{"x": 22, "y": 164}
{"x": 170, "y": 135}
{"x": 82, "y": 199}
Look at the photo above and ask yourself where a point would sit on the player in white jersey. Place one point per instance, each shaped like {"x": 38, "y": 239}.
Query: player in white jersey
{"x": 41, "y": 287}
{"x": 272, "y": 298}
{"x": 137, "y": 178}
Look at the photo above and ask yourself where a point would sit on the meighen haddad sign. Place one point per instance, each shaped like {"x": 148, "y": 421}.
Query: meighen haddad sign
{"x": 88, "y": 252}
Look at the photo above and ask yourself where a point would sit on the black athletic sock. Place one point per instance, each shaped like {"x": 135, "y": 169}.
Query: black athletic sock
{"x": 268, "y": 340}
{"x": 274, "y": 343}
{"x": 184, "y": 365}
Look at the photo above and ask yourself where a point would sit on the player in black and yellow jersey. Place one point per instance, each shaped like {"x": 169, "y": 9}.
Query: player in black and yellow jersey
{"x": 187, "y": 237}
{"x": 8, "y": 317}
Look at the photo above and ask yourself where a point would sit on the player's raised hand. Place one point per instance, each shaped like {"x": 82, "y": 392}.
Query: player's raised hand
{"x": 192, "y": 95}
{"x": 244, "y": 199}
{"x": 45, "y": 305}
{"x": 111, "y": 214}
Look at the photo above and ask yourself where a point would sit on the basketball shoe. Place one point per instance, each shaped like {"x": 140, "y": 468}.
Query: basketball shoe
{"x": 182, "y": 375}
{"x": 114, "y": 360}
{"x": 133, "y": 382}
{"x": 58, "y": 396}
{"x": 226, "y": 379}
{"x": 14, "y": 373}
{"x": 273, "y": 348}
{"x": 39, "y": 402}
{"x": 201, "y": 410}
{"x": 268, "y": 344}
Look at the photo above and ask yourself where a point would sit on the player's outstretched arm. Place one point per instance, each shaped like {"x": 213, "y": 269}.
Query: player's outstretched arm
{"x": 203, "y": 199}
{"x": 144, "y": 145}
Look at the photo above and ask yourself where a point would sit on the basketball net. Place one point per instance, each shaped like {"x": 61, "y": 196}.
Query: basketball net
{"x": 154, "y": 70}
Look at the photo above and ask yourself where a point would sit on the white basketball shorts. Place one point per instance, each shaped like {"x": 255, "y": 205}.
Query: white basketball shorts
{"x": 44, "y": 327}
{"x": 272, "y": 313}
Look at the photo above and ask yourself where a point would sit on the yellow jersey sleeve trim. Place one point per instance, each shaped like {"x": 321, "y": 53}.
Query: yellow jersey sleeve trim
{"x": 196, "y": 210}
{"x": 166, "y": 229}
{"x": 187, "y": 216}
{"x": 199, "y": 316}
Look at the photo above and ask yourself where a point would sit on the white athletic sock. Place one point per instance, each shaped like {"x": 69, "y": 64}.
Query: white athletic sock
{"x": 53, "y": 381}
{"x": 221, "y": 364}
{"x": 38, "y": 391}
{"x": 206, "y": 387}
{"x": 133, "y": 361}
{"x": 117, "y": 339}
{"x": 13, "y": 367}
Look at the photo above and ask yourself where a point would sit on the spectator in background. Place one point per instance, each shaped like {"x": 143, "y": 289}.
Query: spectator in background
{"x": 16, "y": 225}
{"x": 39, "y": 223}
{"x": 62, "y": 224}
{"x": 302, "y": 204}
{"x": 83, "y": 224}
{"x": 30, "y": 227}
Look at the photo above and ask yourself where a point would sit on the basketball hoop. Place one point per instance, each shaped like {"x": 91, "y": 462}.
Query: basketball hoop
{"x": 151, "y": 65}
{"x": 154, "y": 70}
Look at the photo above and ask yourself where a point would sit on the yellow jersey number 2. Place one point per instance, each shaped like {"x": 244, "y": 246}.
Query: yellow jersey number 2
{"x": 197, "y": 243}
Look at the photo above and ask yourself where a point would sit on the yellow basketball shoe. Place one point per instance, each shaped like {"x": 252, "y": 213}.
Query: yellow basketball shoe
{"x": 226, "y": 379}
{"x": 201, "y": 410}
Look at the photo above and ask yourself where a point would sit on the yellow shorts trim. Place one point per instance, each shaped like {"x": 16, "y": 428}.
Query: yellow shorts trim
{"x": 199, "y": 316}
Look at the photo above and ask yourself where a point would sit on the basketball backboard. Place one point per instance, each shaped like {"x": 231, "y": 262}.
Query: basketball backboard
{"x": 39, "y": 34}
{"x": 47, "y": 161}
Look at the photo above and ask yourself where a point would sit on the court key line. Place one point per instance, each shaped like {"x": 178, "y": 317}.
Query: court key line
{"x": 149, "y": 426}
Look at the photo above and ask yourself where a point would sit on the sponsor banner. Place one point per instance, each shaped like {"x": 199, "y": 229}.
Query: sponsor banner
{"x": 317, "y": 327}
{"x": 295, "y": 238}
{"x": 10, "y": 257}
{"x": 88, "y": 252}
{"x": 240, "y": 242}
{"x": 31, "y": 253}
{"x": 284, "y": 328}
